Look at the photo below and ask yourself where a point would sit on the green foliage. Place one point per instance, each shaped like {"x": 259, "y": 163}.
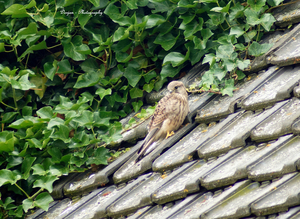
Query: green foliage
{"x": 71, "y": 69}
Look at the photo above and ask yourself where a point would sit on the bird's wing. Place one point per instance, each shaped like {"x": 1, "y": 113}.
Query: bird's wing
{"x": 160, "y": 113}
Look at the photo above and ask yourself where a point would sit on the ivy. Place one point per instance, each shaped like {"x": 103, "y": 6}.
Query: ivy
{"x": 70, "y": 70}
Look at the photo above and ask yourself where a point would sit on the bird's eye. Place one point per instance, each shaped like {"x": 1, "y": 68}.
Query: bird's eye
{"x": 176, "y": 88}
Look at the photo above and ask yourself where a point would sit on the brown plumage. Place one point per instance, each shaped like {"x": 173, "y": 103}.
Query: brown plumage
{"x": 169, "y": 115}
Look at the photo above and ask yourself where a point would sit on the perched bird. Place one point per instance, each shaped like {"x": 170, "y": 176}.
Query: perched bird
{"x": 169, "y": 115}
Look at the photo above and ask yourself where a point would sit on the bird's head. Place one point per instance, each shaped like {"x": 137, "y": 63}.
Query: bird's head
{"x": 177, "y": 87}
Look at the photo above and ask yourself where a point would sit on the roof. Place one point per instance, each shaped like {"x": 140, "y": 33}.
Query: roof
{"x": 238, "y": 156}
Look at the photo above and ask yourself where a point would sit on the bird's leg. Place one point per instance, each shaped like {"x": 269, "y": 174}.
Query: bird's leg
{"x": 169, "y": 134}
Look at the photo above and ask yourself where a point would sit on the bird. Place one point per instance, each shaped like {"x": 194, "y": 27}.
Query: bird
{"x": 168, "y": 116}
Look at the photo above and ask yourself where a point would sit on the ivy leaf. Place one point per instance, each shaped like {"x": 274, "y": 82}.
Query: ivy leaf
{"x": 256, "y": 49}
{"x": 123, "y": 56}
{"x": 8, "y": 176}
{"x": 85, "y": 119}
{"x": 22, "y": 83}
{"x": 229, "y": 87}
{"x": 27, "y": 204}
{"x": 83, "y": 19}
{"x": 192, "y": 27}
{"x": 274, "y": 2}
{"x": 2, "y": 48}
{"x": 240, "y": 74}
{"x": 103, "y": 92}
{"x": 201, "y": 44}
{"x": 34, "y": 143}
{"x": 120, "y": 34}
{"x": 167, "y": 41}
{"x": 26, "y": 31}
{"x": 176, "y": 58}
{"x": 236, "y": 11}
{"x": 90, "y": 65}
{"x": 168, "y": 71}
{"x": 26, "y": 166}
{"x": 50, "y": 69}
{"x": 39, "y": 81}
{"x": 62, "y": 133}
{"x": 132, "y": 75}
{"x": 23, "y": 123}
{"x": 208, "y": 78}
{"x": 75, "y": 49}
{"x": 8, "y": 117}
{"x": 243, "y": 64}
{"x": 64, "y": 67}
{"x": 209, "y": 58}
{"x": 100, "y": 157}
{"x": 45, "y": 112}
{"x": 225, "y": 51}
{"x": 113, "y": 12}
{"x": 267, "y": 21}
{"x": 13, "y": 161}
{"x": 56, "y": 154}
{"x": 148, "y": 87}
{"x": 45, "y": 182}
{"x": 39, "y": 169}
{"x": 43, "y": 200}
{"x": 132, "y": 4}
{"x": 187, "y": 17}
{"x": 98, "y": 121}
{"x": 154, "y": 20}
{"x": 215, "y": 19}
{"x": 256, "y": 5}
{"x": 250, "y": 35}
{"x": 218, "y": 72}
{"x": 237, "y": 31}
{"x": 88, "y": 79}
{"x": 55, "y": 122}
{"x": 252, "y": 17}
{"x": 16, "y": 11}
{"x": 149, "y": 75}
{"x": 135, "y": 93}
{"x": 137, "y": 105}
{"x": 120, "y": 99}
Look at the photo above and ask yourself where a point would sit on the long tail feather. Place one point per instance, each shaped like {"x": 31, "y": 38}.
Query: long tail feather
{"x": 147, "y": 142}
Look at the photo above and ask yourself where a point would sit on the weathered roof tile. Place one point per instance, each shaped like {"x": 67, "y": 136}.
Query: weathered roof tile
{"x": 279, "y": 123}
{"x": 279, "y": 162}
{"x": 276, "y": 88}
{"x": 188, "y": 181}
{"x": 238, "y": 205}
{"x": 287, "y": 14}
{"x": 207, "y": 201}
{"x": 235, "y": 134}
{"x": 142, "y": 195}
{"x": 235, "y": 167}
{"x": 96, "y": 207}
{"x": 288, "y": 214}
{"x": 165, "y": 211}
{"x": 280, "y": 197}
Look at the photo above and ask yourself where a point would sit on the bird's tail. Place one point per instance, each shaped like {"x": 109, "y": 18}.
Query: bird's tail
{"x": 144, "y": 147}
{"x": 142, "y": 150}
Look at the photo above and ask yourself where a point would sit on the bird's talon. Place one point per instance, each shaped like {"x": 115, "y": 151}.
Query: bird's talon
{"x": 169, "y": 134}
